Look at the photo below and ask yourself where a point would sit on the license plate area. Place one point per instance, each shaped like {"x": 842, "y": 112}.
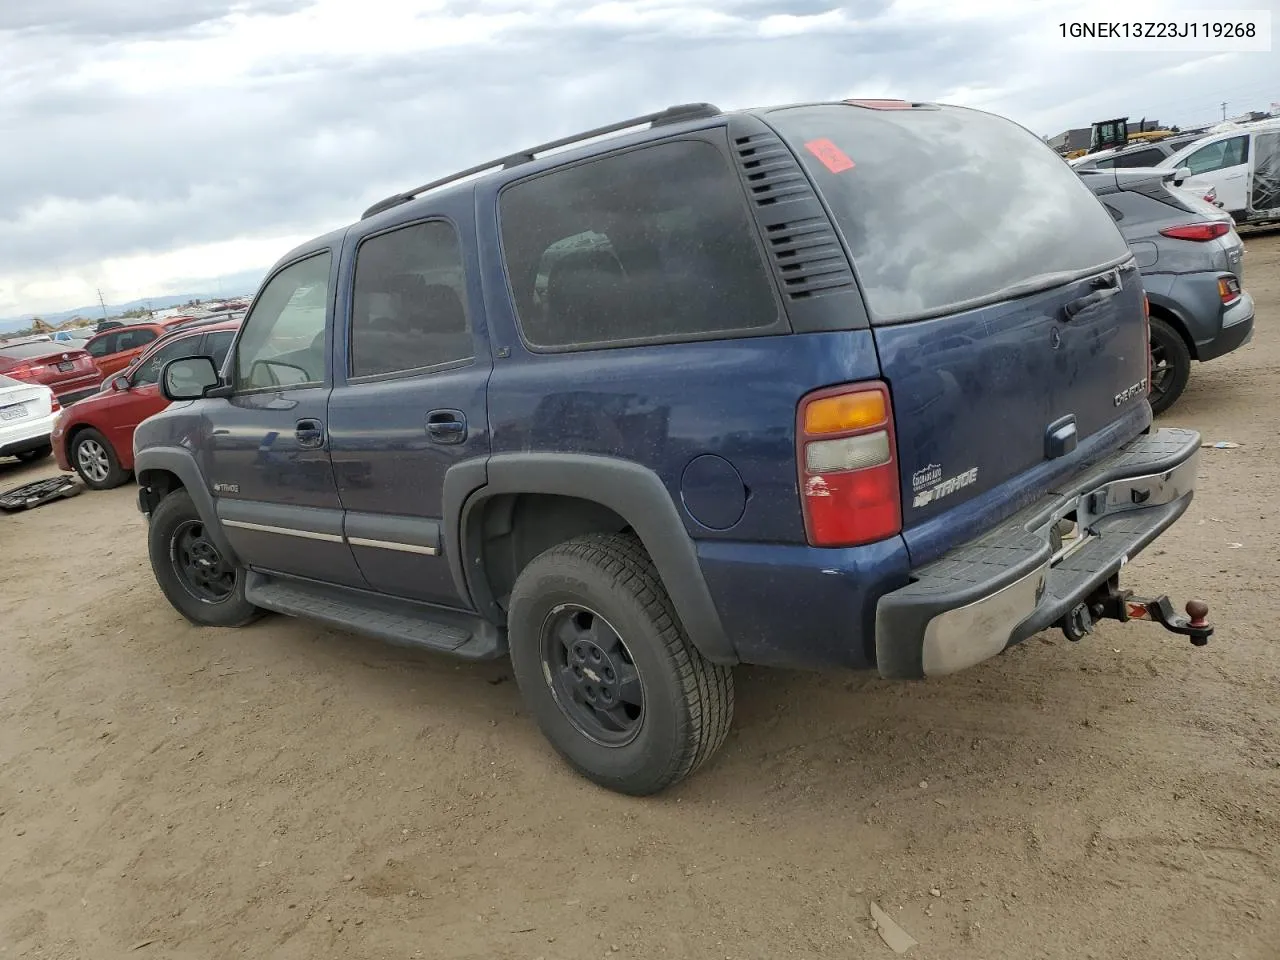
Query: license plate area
{"x": 14, "y": 411}
{"x": 66, "y": 366}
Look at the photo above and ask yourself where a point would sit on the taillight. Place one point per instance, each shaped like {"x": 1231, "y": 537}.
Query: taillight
{"x": 848, "y": 466}
{"x": 1198, "y": 231}
{"x": 54, "y": 405}
{"x": 1212, "y": 195}
{"x": 1228, "y": 289}
{"x": 28, "y": 371}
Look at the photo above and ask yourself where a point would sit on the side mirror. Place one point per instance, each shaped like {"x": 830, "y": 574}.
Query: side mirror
{"x": 187, "y": 378}
{"x": 120, "y": 384}
{"x": 1182, "y": 173}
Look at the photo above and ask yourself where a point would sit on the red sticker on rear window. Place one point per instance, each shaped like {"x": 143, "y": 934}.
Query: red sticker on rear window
{"x": 832, "y": 157}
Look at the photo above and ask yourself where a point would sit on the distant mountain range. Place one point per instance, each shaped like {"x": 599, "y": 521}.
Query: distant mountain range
{"x": 240, "y": 285}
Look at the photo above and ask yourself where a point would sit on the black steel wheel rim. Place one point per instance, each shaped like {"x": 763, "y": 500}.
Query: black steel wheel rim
{"x": 199, "y": 564}
{"x": 592, "y": 675}
{"x": 1161, "y": 369}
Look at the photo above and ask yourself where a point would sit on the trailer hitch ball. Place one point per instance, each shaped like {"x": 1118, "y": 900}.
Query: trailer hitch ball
{"x": 1198, "y": 614}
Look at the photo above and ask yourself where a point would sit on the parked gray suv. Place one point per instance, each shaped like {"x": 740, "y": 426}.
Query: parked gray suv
{"x": 1192, "y": 263}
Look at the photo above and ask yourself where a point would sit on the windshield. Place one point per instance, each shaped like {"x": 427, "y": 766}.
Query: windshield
{"x": 946, "y": 208}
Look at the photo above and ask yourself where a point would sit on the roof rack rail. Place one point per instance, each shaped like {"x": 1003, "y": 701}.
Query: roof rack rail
{"x": 676, "y": 114}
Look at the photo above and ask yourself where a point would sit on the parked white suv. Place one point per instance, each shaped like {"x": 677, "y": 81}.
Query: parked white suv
{"x": 1242, "y": 165}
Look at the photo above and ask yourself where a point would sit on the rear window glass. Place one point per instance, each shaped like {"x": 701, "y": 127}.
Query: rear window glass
{"x": 41, "y": 348}
{"x": 648, "y": 245}
{"x": 944, "y": 209}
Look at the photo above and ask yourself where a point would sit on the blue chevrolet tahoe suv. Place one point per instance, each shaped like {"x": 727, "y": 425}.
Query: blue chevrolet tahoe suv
{"x": 834, "y": 385}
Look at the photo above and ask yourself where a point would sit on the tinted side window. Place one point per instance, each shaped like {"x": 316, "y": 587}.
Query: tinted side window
{"x": 149, "y": 370}
{"x": 217, "y": 344}
{"x": 283, "y": 339}
{"x": 133, "y": 339}
{"x": 407, "y": 301}
{"x": 102, "y": 346}
{"x": 652, "y": 244}
{"x": 1140, "y": 158}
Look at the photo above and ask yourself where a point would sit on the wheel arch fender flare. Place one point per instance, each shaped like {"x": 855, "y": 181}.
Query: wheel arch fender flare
{"x": 635, "y": 493}
{"x": 182, "y": 464}
{"x": 1167, "y": 308}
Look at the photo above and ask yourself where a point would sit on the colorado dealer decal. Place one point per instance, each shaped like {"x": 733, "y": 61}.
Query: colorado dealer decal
{"x": 929, "y": 486}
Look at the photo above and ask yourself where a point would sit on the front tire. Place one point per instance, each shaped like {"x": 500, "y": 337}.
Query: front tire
{"x": 202, "y": 586}
{"x": 1170, "y": 365}
{"x": 96, "y": 461}
{"x": 607, "y": 670}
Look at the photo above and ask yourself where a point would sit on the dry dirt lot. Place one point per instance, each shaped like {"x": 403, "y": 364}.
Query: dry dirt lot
{"x": 287, "y": 791}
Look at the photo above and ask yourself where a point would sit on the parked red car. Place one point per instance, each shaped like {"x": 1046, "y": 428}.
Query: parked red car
{"x": 95, "y": 437}
{"x": 113, "y": 350}
{"x": 69, "y": 372}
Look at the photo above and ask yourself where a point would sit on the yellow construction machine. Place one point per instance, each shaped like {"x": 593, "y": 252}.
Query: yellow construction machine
{"x": 1115, "y": 135}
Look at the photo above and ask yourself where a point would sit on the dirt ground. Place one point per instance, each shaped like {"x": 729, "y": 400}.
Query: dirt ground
{"x": 286, "y": 791}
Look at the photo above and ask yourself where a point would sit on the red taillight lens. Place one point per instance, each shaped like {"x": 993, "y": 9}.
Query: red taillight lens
{"x": 54, "y": 405}
{"x": 848, "y": 465}
{"x": 1198, "y": 231}
{"x": 1228, "y": 289}
{"x": 28, "y": 371}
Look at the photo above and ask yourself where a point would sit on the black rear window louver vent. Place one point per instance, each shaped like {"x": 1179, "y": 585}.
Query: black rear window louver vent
{"x": 808, "y": 257}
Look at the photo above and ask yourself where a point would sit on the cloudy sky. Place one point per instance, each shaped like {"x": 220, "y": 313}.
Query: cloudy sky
{"x": 150, "y": 147}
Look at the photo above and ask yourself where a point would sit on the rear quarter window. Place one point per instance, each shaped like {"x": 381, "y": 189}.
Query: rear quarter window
{"x": 650, "y": 245}
{"x": 1140, "y": 158}
{"x": 944, "y": 209}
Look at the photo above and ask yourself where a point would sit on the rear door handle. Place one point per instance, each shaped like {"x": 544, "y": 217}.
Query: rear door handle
{"x": 447, "y": 426}
{"x": 309, "y": 433}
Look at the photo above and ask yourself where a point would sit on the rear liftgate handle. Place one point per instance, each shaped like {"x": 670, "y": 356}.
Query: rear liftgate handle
{"x": 1104, "y": 288}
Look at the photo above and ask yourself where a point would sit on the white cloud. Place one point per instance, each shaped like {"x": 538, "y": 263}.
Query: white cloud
{"x": 166, "y": 144}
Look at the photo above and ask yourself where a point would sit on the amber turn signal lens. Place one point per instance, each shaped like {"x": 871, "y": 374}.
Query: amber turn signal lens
{"x": 848, "y": 411}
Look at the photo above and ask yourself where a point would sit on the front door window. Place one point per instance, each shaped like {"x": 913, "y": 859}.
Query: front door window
{"x": 283, "y": 340}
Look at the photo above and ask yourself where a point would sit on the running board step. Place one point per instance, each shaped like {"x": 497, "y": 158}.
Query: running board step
{"x": 401, "y": 622}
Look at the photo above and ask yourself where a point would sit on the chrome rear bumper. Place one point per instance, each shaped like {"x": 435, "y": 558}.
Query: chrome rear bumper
{"x": 1027, "y": 575}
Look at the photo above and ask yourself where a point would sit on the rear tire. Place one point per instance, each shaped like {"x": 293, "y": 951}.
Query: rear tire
{"x": 201, "y": 585}
{"x": 31, "y": 456}
{"x": 607, "y": 670}
{"x": 95, "y": 460}
{"x": 1170, "y": 365}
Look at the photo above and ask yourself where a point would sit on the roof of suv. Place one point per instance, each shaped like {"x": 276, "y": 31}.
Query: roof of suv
{"x": 680, "y": 118}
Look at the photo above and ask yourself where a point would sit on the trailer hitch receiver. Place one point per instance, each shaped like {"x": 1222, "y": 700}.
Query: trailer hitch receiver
{"x": 1109, "y": 602}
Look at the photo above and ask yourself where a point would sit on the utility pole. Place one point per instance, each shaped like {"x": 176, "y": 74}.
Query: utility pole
{"x": 1224, "y": 109}
{"x": 102, "y": 303}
